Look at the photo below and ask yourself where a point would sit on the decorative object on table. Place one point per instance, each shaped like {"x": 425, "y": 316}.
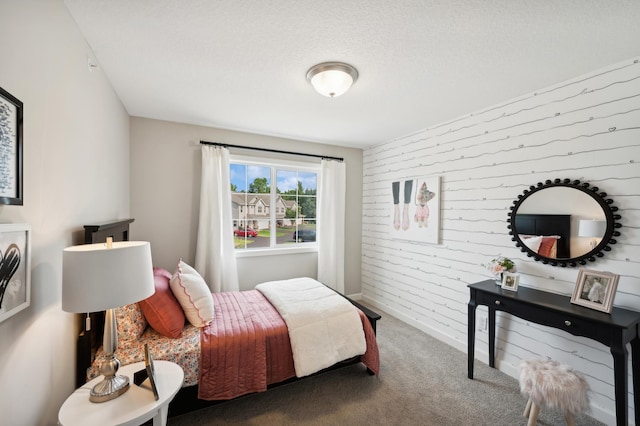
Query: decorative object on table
{"x": 15, "y": 269}
{"x": 148, "y": 362}
{"x": 10, "y": 149}
{"x": 499, "y": 265}
{"x": 595, "y": 290}
{"x": 149, "y": 372}
{"x": 106, "y": 276}
{"x": 510, "y": 281}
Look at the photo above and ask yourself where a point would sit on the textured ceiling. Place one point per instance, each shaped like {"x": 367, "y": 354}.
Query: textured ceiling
{"x": 241, "y": 64}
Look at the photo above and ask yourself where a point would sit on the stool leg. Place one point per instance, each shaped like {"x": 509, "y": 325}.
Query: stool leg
{"x": 533, "y": 416}
{"x": 527, "y": 409}
{"x": 568, "y": 417}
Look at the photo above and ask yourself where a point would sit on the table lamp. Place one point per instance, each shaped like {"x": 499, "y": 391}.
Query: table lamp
{"x": 102, "y": 277}
{"x": 593, "y": 229}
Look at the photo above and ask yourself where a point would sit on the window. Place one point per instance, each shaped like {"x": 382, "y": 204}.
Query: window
{"x": 267, "y": 216}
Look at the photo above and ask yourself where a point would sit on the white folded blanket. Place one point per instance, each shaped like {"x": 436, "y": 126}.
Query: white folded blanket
{"x": 324, "y": 328}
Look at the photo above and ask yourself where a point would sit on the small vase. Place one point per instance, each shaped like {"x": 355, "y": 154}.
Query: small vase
{"x": 499, "y": 279}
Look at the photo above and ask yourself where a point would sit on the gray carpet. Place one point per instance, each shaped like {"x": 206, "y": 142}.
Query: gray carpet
{"x": 422, "y": 382}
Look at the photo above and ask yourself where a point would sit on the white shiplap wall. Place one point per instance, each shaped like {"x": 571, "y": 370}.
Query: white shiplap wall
{"x": 587, "y": 128}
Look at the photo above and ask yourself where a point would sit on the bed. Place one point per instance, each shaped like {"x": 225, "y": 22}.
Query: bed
{"x": 247, "y": 347}
{"x": 546, "y": 234}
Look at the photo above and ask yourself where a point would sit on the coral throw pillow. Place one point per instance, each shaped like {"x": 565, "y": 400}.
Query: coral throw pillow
{"x": 193, "y": 294}
{"x": 548, "y": 247}
{"x": 162, "y": 310}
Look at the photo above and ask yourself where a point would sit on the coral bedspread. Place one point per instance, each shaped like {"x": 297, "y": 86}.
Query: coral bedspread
{"x": 246, "y": 347}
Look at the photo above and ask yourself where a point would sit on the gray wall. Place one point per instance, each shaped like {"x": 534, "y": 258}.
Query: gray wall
{"x": 586, "y": 129}
{"x": 165, "y": 197}
{"x": 76, "y": 172}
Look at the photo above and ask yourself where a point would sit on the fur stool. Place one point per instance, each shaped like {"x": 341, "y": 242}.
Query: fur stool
{"x": 550, "y": 383}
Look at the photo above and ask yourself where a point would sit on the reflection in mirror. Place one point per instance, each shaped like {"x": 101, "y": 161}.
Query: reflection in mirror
{"x": 563, "y": 222}
{"x": 593, "y": 229}
{"x": 562, "y": 200}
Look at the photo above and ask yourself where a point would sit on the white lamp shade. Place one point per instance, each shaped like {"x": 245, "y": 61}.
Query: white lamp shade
{"x": 96, "y": 278}
{"x": 592, "y": 228}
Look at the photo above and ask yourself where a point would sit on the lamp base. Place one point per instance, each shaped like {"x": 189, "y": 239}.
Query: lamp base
{"x": 110, "y": 388}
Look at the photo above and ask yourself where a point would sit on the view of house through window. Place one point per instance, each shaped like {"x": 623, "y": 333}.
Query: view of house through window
{"x": 268, "y": 216}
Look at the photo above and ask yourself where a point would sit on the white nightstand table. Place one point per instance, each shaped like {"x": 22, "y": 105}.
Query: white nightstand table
{"x": 134, "y": 407}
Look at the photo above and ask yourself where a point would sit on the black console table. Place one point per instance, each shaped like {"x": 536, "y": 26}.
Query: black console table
{"x": 614, "y": 330}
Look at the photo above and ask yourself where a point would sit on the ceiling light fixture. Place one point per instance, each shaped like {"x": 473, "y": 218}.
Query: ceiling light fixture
{"x": 332, "y": 79}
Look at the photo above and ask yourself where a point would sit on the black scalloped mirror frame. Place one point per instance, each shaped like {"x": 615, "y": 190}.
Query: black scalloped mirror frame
{"x": 600, "y": 197}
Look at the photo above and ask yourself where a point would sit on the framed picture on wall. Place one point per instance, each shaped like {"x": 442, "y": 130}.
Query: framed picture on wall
{"x": 415, "y": 212}
{"x": 15, "y": 269}
{"x": 10, "y": 149}
{"x": 595, "y": 290}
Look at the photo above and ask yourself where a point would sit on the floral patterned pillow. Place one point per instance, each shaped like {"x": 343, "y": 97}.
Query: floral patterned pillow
{"x": 131, "y": 322}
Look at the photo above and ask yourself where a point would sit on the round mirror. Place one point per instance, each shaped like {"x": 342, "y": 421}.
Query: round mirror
{"x": 563, "y": 222}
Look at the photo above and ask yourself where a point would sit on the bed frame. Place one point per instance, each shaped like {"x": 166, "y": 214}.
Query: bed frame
{"x": 547, "y": 224}
{"x": 187, "y": 398}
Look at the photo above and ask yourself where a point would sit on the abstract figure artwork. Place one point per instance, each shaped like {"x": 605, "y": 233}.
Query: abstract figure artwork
{"x": 418, "y": 217}
{"x": 15, "y": 280}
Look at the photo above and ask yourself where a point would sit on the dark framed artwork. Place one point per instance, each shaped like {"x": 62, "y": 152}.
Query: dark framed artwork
{"x": 15, "y": 269}
{"x": 151, "y": 372}
{"x": 10, "y": 149}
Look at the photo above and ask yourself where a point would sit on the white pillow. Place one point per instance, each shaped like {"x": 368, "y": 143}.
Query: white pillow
{"x": 193, "y": 295}
{"x": 533, "y": 243}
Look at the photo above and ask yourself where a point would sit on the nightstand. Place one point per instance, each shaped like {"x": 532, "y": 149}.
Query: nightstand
{"x": 134, "y": 407}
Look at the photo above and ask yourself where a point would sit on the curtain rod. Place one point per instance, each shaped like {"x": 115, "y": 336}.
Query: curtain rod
{"x": 226, "y": 145}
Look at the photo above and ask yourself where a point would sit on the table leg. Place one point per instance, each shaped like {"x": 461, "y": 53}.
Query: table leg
{"x": 635, "y": 373}
{"x": 492, "y": 337}
{"x": 619, "y": 352}
{"x": 471, "y": 335}
{"x": 160, "y": 419}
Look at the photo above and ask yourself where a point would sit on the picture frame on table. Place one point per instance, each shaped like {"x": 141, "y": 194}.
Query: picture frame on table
{"x": 595, "y": 290}
{"x": 15, "y": 269}
{"x": 510, "y": 281}
{"x": 148, "y": 361}
{"x": 148, "y": 373}
{"x": 10, "y": 149}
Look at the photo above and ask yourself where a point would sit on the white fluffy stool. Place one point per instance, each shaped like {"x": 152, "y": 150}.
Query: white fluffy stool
{"x": 550, "y": 383}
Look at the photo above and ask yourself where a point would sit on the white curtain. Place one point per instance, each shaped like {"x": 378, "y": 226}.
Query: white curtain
{"x": 215, "y": 257}
{"x": 330, "y": 229}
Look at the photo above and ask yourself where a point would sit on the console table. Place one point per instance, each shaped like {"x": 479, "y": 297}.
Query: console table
{"x": 614, "y": 330}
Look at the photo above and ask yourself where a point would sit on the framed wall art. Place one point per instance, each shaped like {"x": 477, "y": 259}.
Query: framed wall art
{"x": 595, "y": 290}
{"x": 415, "y": 212}
{"x": 15, "y": 269}
{"x": 10, "y": 149}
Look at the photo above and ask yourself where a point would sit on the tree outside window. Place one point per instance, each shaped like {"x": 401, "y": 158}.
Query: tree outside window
{"x": 293, "y": 217}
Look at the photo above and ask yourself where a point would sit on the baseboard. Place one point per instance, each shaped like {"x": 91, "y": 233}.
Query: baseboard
{"x": 481, "y": 353}
{"x": 420, "y": 326}
{"x": 356, "y": 296}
